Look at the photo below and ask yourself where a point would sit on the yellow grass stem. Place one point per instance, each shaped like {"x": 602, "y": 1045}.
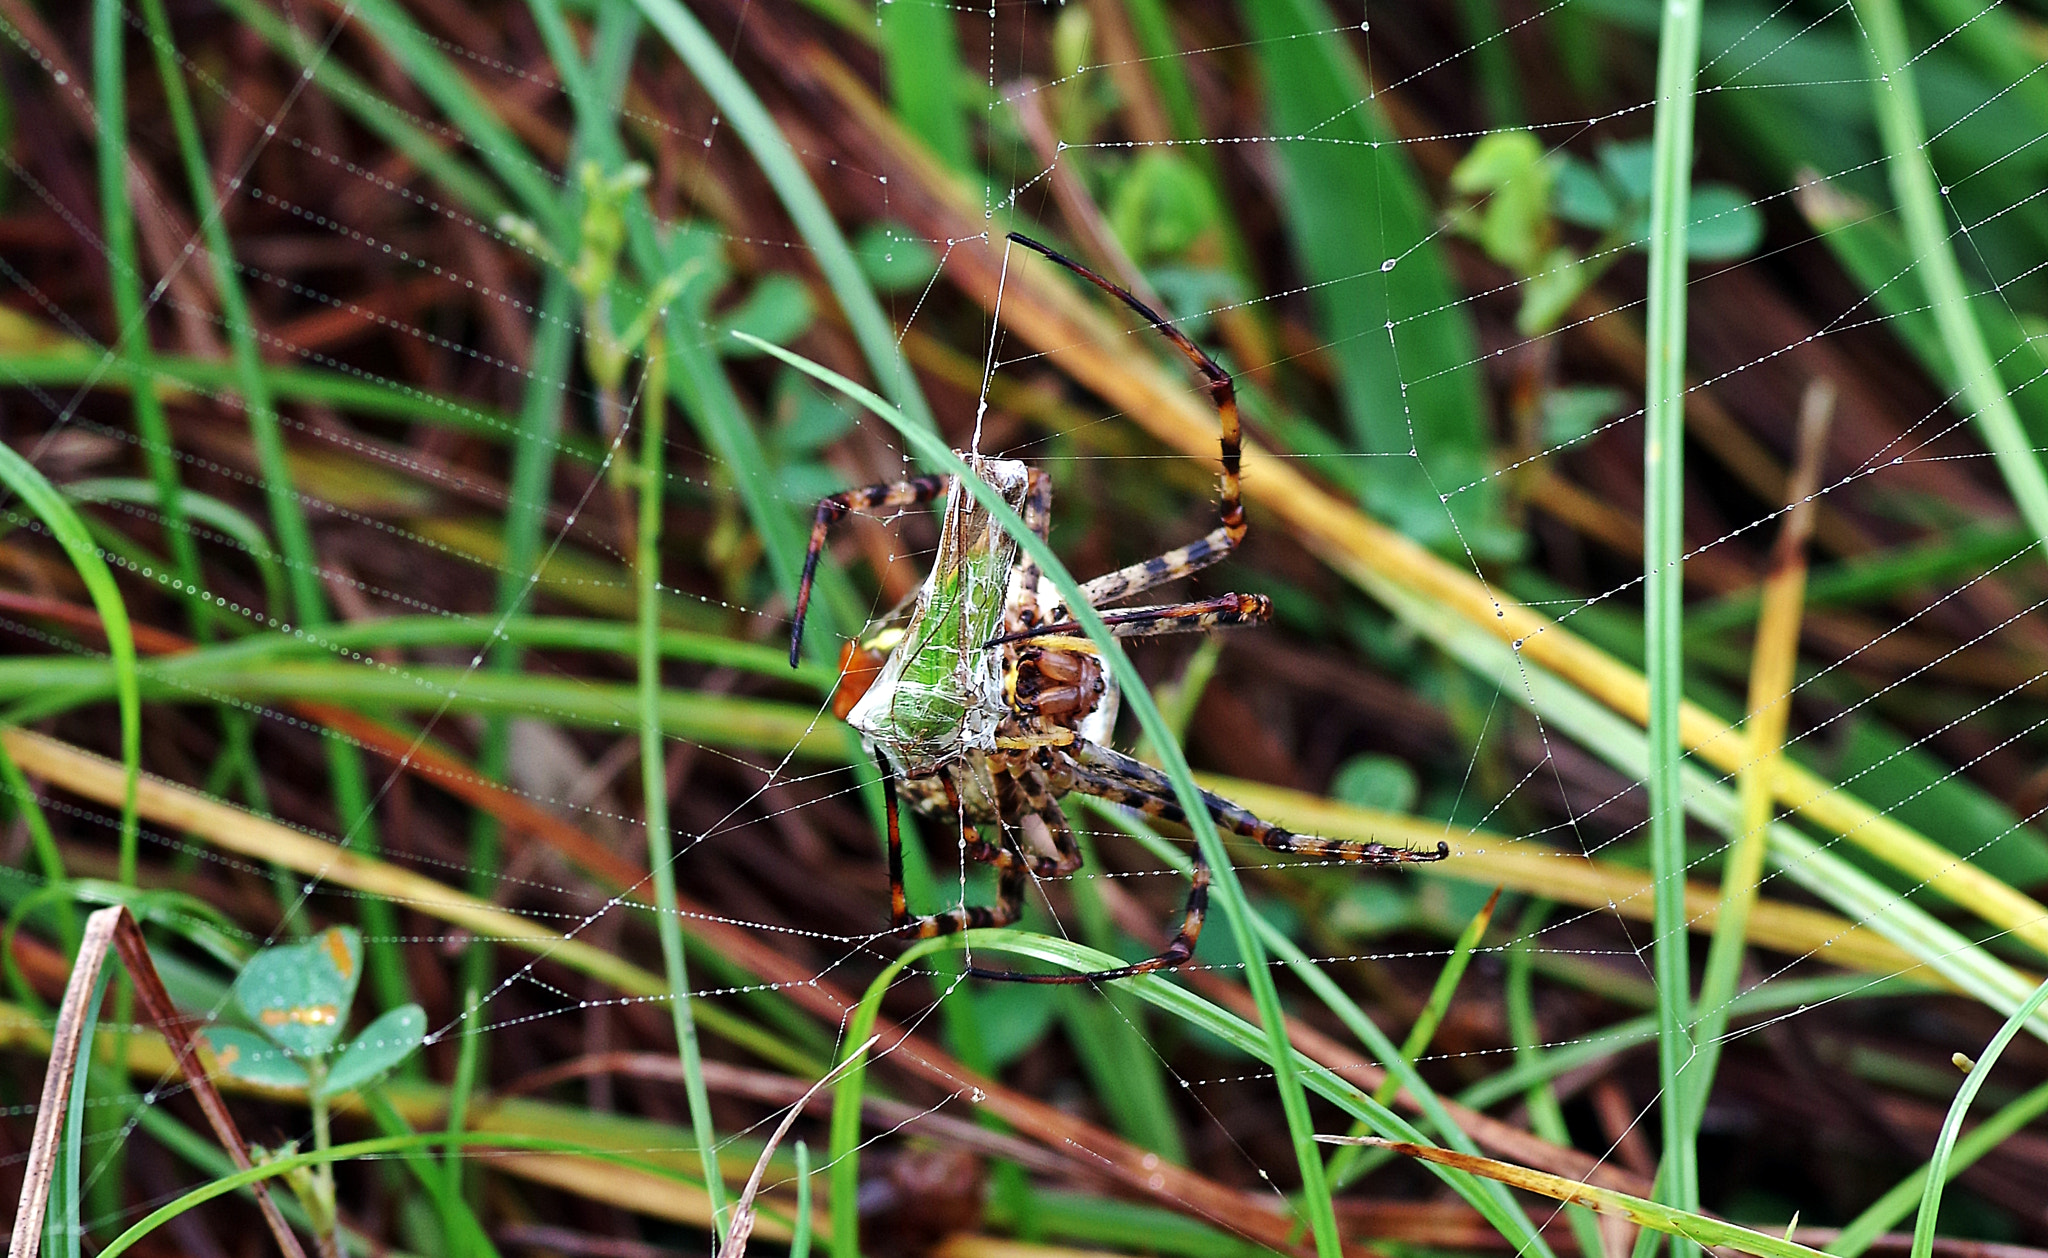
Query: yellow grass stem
{"x": 1568, "y": 877}
{"x": 1772, "y": 665}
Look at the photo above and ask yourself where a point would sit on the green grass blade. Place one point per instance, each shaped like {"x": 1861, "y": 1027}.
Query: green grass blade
{"x": 654, "y": 781}
{"x": 921, "y": 62}
{"x": 1678, "y": 50}
{"x": 468, "y": 1058}
{"x": 151, "y": 425}
{"x": 1896, "y": 100}
{"x": 1344, "y": 1163}
{"x": 1952, "y": 1126}
{"x": 1446, "y": 986}
{"x": 47, "y": 505}
{"x": 1546, "y": 1116}
{"x": 1882, "y": 1215}
{"x": 1362, "y": 231}
{"x": 800, "y": 1240}
{"x": 193, "y": 508}
{"x": 743, "y": 110}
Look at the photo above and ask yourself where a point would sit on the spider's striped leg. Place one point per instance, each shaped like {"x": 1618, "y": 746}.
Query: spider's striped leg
{"x": 1040, "y": 825}
{"x": 834, "y": 508}
{"x": 1175, "y": 953}
{"x": 1022, "y": 609}
{"x": 1225, "y": 611}
{"x": 1224, "y": 538}
{"x": 1115, "y": 776}
{"x": 1113, "y": 587}
{"x": 1010, "y": 868}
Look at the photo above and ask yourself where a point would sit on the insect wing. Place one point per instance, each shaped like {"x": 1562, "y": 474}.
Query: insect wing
{"x": 939, "y": 696}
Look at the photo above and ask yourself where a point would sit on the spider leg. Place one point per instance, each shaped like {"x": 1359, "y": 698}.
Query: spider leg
{"x": 1112, "y": 587}
{"x": 1222, "y": 540}
{"x": 1175, "y": 953}
{"x": 1022, "y": 610}
{"x": 1029, "y": 797}
{"x": 1115, "y": 776}
{"x": 1010, "y": 867}
{"x": 1222, "y": 612}
{"x": 1033, "y": 798}
{"x": 834, "y": 508}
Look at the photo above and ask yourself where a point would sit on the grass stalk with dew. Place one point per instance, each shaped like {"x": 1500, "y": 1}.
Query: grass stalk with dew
{"x": 799, "y": 196}
{"x": 308, "y": 600}
{"x": 654, "y": 777}
{"x": 1678, "y": 48}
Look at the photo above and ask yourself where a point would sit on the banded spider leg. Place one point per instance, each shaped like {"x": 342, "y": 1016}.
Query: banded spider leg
{"x": 1113, "y": 776}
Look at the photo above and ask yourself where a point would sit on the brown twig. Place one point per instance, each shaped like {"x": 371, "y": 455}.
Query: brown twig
{"x": 110, "y": 930}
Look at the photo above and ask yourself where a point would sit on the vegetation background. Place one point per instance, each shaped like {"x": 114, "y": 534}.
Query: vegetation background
{"x": 385, "y": 483}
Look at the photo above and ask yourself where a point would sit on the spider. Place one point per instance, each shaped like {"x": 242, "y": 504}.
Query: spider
{"x": 982, "y": 703}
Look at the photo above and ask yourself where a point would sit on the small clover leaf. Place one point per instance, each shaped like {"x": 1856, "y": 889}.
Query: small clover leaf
{"x": 1514, "y": 225}
{"x": 1579, "y": 195}
{"x": 382, "y": 1045}
{"x": 1724, "y": 225}
{"x": 298, "y": 994}
{"x": 253, "y": 1059}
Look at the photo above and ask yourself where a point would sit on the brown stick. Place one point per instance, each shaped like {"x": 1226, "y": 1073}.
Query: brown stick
{"x": 113, "y": 929}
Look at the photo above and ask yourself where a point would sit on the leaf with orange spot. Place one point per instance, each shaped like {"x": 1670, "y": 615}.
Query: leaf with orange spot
{"x": 299, "y": 994}
{"x": 252, "y": 1058}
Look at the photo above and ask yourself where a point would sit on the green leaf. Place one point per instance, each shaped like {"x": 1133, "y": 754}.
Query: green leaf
{"x": 382, "y": 1045}
{"x": 1496, "y": 161}
{"x": 299, "y": 994}
{"x": 779, "y": 309}
{"x": 1627, "y": 167}
{"x": 1160, "y": 206}
{"x": 1579, "y": 195}
{"x": 1572, "y": 413}
{"x": 893, "y": 258}
{"x": 806, "y": 420}
{"x": 1514, "y": 225}
{"x": 253, "y": 1059}
{"x": 1013, "y": 1017}
{"x": 1375, "y": 781}
{"x": 1724, "y": 223}
{"x": 1553, "y": 288}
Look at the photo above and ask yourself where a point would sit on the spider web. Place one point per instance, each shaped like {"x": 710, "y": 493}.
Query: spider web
{"x": 1363, "y": 220}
